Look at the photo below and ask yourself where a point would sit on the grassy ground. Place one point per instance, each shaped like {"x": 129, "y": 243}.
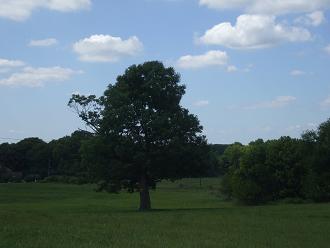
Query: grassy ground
{"x": 185, "y": 215}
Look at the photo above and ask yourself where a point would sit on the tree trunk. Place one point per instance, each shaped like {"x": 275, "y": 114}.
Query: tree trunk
{"x": 145, "y": 204}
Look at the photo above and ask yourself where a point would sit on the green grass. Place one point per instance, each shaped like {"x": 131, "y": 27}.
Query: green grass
{"x": 185, "y": 215}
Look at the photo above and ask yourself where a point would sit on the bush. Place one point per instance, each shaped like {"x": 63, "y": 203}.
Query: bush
{"x": 64, "y": 179}
{"x": 317, "y": 187}
{"x": 31, "y": 178}
{"x": 8, "y": 176}
{"x": 110, "y": 187}
{"x": 248, "y": 191}
{"x": 226, "y": 188}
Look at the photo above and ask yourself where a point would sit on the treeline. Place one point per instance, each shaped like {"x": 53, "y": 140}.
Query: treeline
{"x": 66, "y": 160}
{"x": 32, "y": 159}
{"x": 256, "y": 173}
{"x": 264, "y": 171}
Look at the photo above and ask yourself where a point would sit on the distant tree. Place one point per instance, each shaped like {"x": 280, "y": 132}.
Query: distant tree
{"x": 229, "y": 162}
{"x": 65, "y": 157}
{"x": 285, "y": 161}
{"x": 9, "y": 157}
{"x": 6, "y": 174}
{"x": 253, "y": 182}
{"x": 317, "y": 143}
{"x": 144, "y": 131}
{"x": 231, "y": 157}
{"x": 219, "y": 149}
{"x": 27, "y": 158}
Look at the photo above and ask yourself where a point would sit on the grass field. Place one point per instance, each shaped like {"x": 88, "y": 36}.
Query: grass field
{"x": 185, "y": 215}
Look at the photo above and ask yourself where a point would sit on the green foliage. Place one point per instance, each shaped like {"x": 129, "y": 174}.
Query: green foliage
{"x": 231, "y": 157}
{"x": 32, "y": 159}
{"x": 252, "y": 181}
{"x": 26, "y": 157}
{"x": 279, "y": 169}
{"x": 229, "y": 163}
{"x": 285, "y": 158}
{"x": 143, "y": 134}
{"x": 318, "y": 179}
{"x": 65, "y": 155}
{"x": 218, "y": 149}
{"x": 64, "y": 179}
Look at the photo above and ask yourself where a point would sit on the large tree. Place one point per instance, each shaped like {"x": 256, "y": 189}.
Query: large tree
{"x": 142, "y": 133}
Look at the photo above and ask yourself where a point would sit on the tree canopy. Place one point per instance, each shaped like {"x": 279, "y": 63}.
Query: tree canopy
{"x": 278, "y": 169}
{"x": 143, "y": 130}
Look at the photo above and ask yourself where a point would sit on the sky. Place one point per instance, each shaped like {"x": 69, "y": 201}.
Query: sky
{"x": 252, "y": 68}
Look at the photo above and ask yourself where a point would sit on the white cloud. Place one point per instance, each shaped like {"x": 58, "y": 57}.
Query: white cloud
{"x": 278, "y": 102}
{"x": 231, "y": 68}
{"x": 252, "y": 32}
{"x": 201, "y": 103}
{"x": 211, "y": 58}
{"x": 10, "y": 63}
{"x": 327, "y": 49}
{"x": 326, "y": 103}
{"x": 297, "y": 73}
{"x": 315, "y": 19}
{"x": 37, "y": 77}
{"x": 106, "y": 48}
{"x": 273, "y": 7}
{"x": 43, "y": 43}
{"x": 20, "y": 10}
{"x": 7, "y": 65}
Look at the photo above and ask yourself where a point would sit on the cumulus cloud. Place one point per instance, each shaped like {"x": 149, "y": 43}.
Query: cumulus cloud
{"x": 37, "y": 77}
{"x": 43, "y": 43}
{"x": 201, "y": 103}
{"x": 10, "y": 63}
{"x": 106, "y": 48}
{"x": 315, "y": 19}
{"x": 252, "y": 32}
{"x": 272, "y": 7}
{"x": 6, "y": 65}
{"x": 211, "y": 58}
{"x": 20, "y": 10}
{"x": 278, "y": 102}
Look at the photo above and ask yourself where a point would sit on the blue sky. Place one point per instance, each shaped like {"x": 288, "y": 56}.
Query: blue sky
{"x": 253, "y": 68}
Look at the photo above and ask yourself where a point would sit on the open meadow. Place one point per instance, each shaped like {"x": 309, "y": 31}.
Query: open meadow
{"x": 184, "y": 215}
